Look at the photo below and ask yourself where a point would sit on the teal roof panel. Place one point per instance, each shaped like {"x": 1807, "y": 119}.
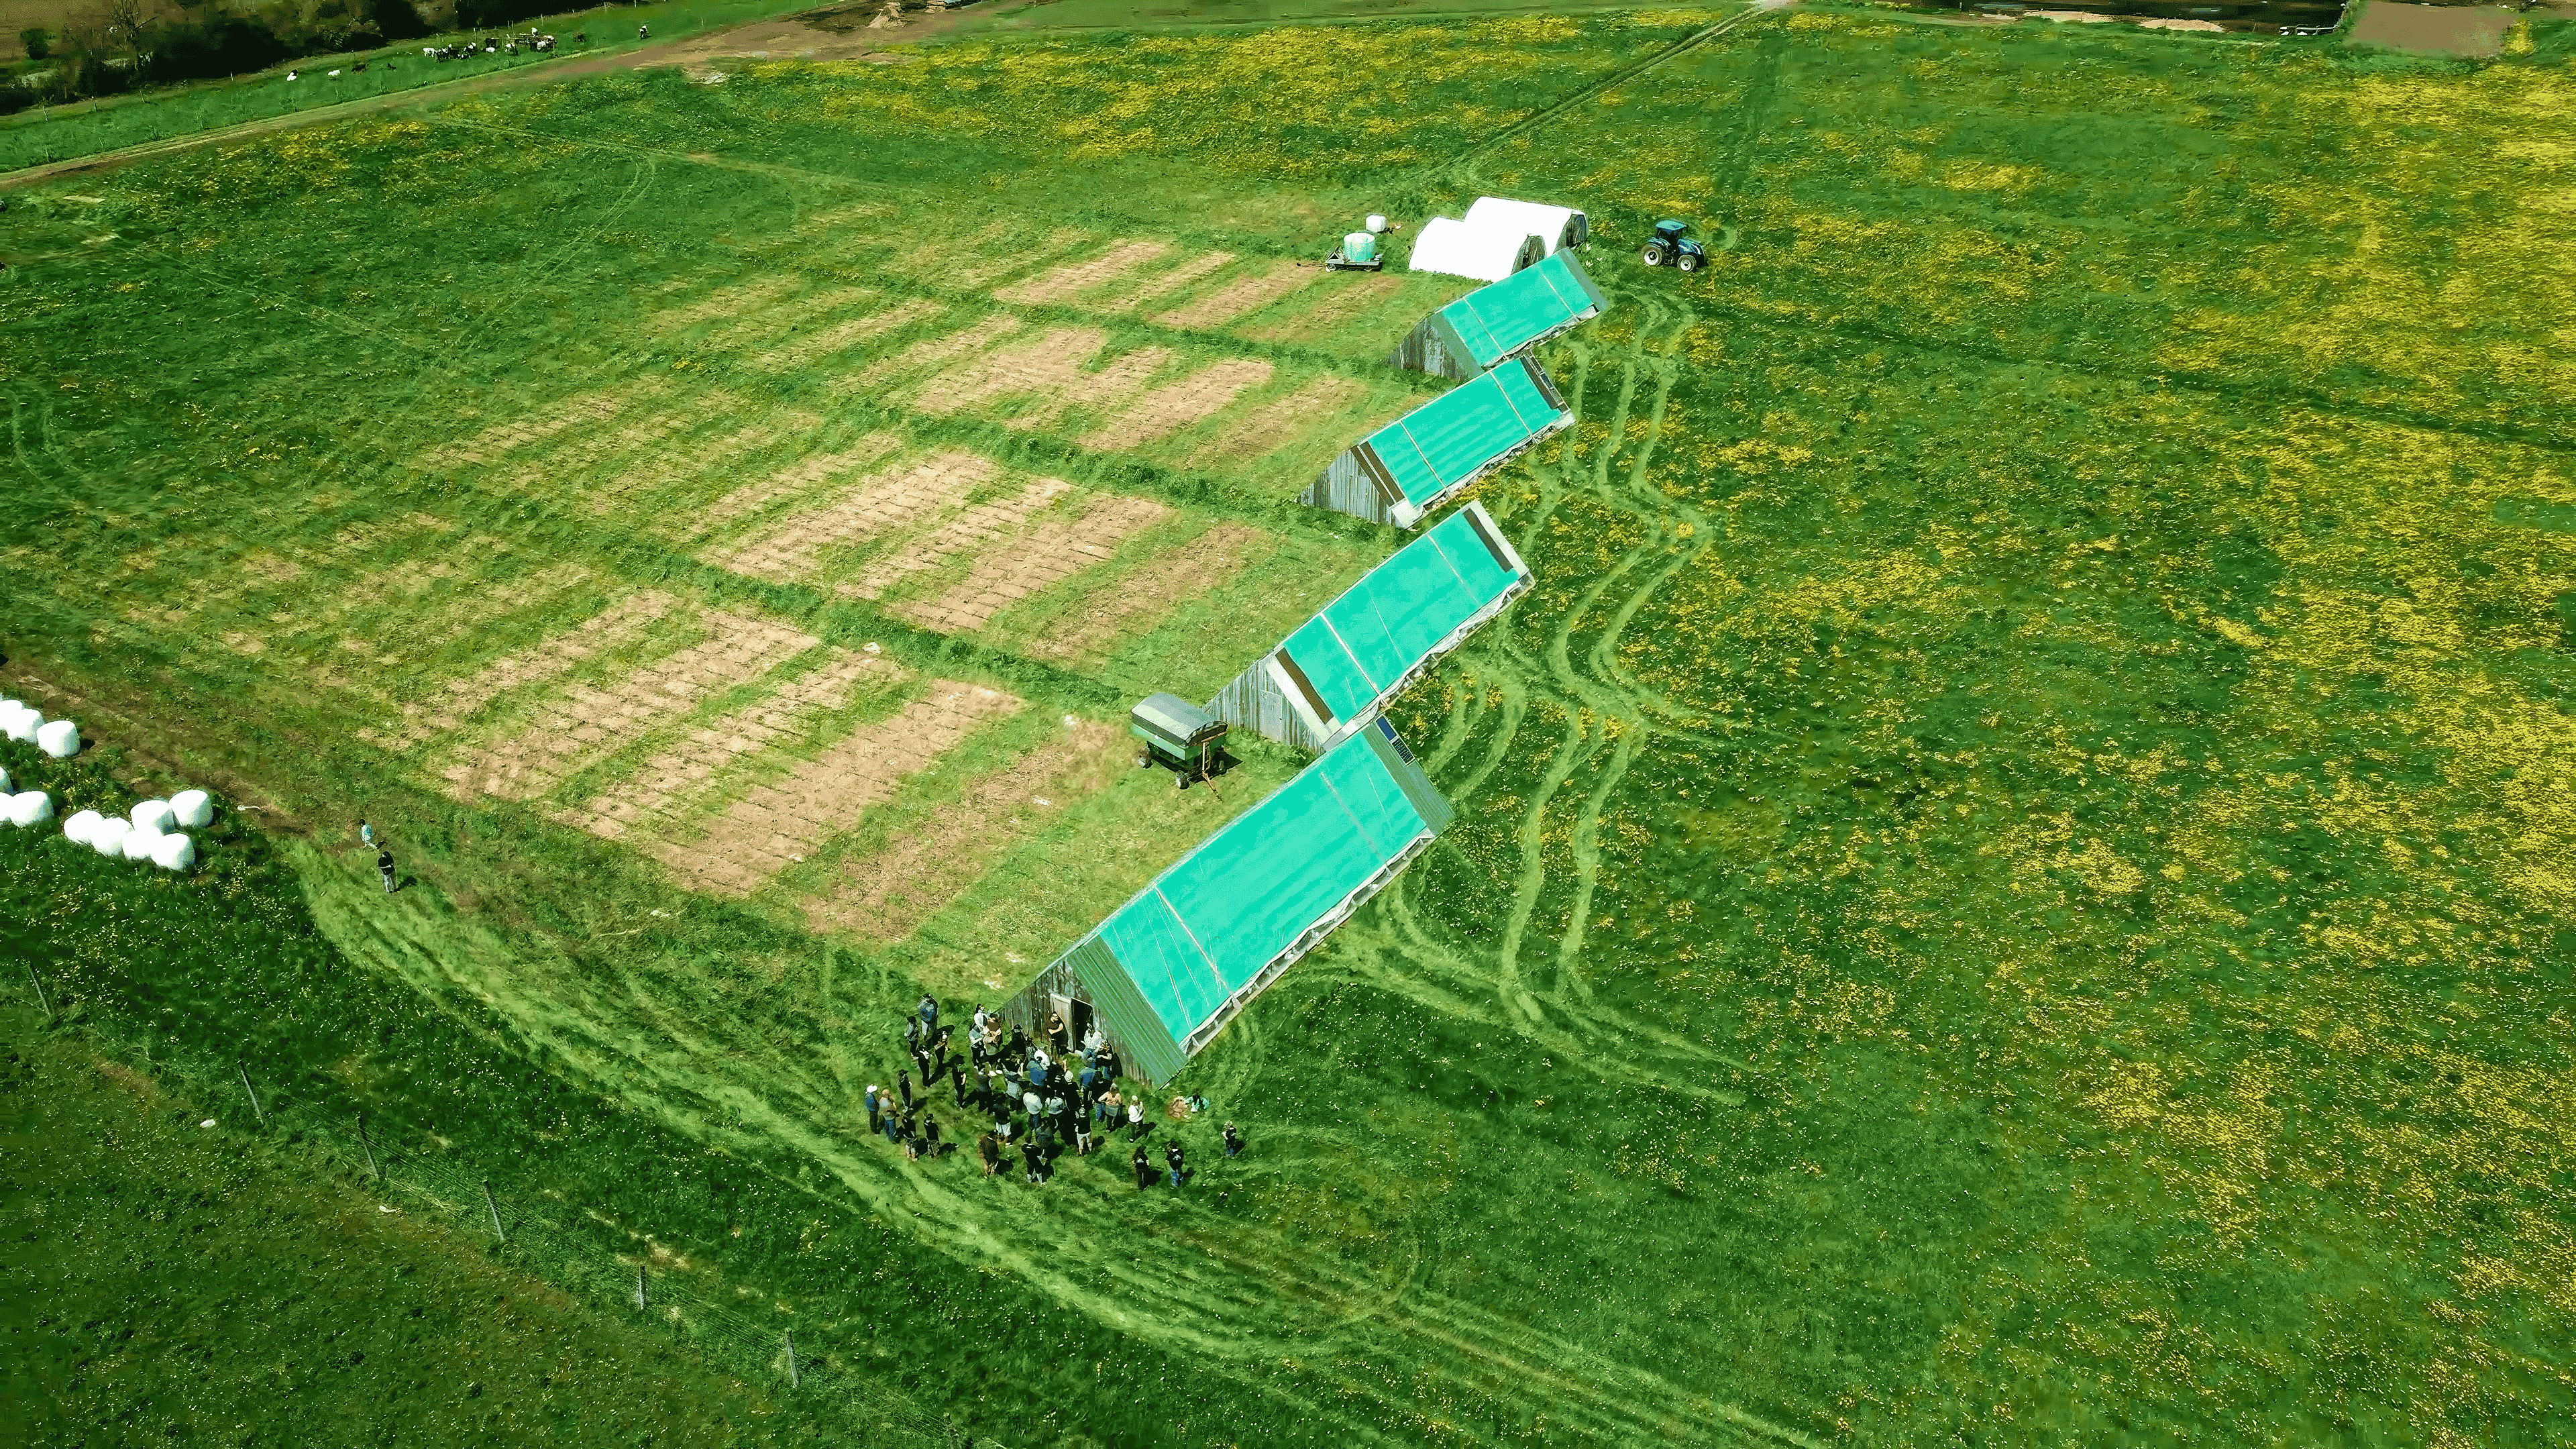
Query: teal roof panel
{"x": 1526, "y": 307}
{"x": 1403, "y": 613}
{"x": 1451, "y": 439}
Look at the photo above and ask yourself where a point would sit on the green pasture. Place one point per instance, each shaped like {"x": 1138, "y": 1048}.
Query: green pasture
{"x": 60, "y": 133}
{"x": 2011, "y": 875}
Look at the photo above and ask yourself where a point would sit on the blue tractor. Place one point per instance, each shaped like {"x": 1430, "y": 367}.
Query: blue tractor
{"x": 1668, "y": 245}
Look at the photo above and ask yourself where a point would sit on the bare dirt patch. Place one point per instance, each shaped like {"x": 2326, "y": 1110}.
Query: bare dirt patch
{"x": 1331, "y": 305}
{"x": 899, "y": 498}
{"x": 885, "y": 895}
{"x": 587, "y": 724}
{"x": 777, "y": 822}
{"x": 2445, "y": 29}
{"x": 765, "y": 327}
{"x": 1058, "y": 283}
{"x": 725, "y": 302}
{"x": 668, "y": 780}
{"x": 532, "y": 428}
{"x": 1273, "y": 423}
{"x": 1086, "y": 633}
{"x": 673, "y": 465}
{"x": 1048, "y": 554}
{"x": 548, "y": 659}
{"x": 550, "y": 471}
{"x": 971, "y": 529}
{"x": 1168, "y": 409}
{"x": 844, "y": 335}
{"x": 1239, "y": 298}
{"x": 932, "y": 353}
{"x": 1045, "y": 364}
{"x": 1171, "y": 279}
{"x": 751, "y": 498}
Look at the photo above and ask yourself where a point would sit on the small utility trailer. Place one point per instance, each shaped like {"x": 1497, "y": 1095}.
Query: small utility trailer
{"x": 1179, "y": 736}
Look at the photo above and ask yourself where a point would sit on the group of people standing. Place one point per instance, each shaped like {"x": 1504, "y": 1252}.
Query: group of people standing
{"x": 1043, "y": 1099}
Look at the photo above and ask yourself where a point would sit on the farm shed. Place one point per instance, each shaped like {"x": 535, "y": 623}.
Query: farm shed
{"x": 1493, "y": 322}
{"x": 1171, "y": 967}
{"x": 1558, "y": 227}
{"x": 1405, "y": 469}
{"x": 1453, "y": 248}
{"x": 1340, "y": 668}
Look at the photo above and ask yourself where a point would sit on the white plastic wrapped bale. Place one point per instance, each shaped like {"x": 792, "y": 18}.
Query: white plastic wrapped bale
{"x": 78, "y": 828}
{"x": 59, "y": 738}
{"x": 174, "y": 852}
{"x": 107, "y": 837}
{"x": 192, "y": 808}
{"x": 137, "y": 844}
{"x": 30, "y": 807}
{"x": 153, "y": 815}
{"x": 22, "y": 723}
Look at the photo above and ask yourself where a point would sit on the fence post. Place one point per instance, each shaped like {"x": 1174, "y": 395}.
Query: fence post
{"x": 789, "y": 1334}
{"x": 40, "y": 993}
{"x": 494, "y": 1209}
{"x": 373, "y": 1170}
{"x": 640, "y": 1300}
{"x": 255, "y": 1112}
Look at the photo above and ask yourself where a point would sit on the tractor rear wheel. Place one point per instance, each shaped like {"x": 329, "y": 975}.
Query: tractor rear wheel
{"x": 1652, "y": 256}
{"x": 1690, "y": 262}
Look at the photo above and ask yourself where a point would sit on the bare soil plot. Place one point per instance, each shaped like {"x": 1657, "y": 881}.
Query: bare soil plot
{"x": 902, "y": 497}
{"x": 886, "y": 894}
{"x": 489, "y": 443}
{"x": 1170, "y": 279}
{"x": 971, "y": 529}
{"x": 786, "y": 317}
{"x": 1168, "y": 409}
{"x": 1241, "y": 297}
{"x": 2445, "y": 29}
{"x": 844, "y": 335}
{"x": 777, "y": 822}
{"x": 672, "y": 465}
{"x": 550, "y": 659}
{"x": 1048, "y": 554}
{"x": 1273, "y": 423}
{"x": 725, "y": 302}
{"x": 1149, "y": 594}
{"x": 583, "y": 454}
{"x": 1056, "y": 284}
{"x": 669, "y": 780}
{"x": 586, "y": 723}
{"x": 757, "y": 496}
{"x": 1339, "y": 300}
{"x": 1045, "y": 364}
{"x": 932, "y": 353}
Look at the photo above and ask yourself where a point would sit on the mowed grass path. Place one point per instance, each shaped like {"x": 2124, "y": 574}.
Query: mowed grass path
{"x": 2010, "y": 879}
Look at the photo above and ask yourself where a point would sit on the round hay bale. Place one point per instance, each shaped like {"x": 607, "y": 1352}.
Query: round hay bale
{"x": 60, "y": 739}
{"x": 174, "y": 852}
{"x": 137, "y": 844}
{"x": 153, "y": 815}
{"x": 192, "y": 808}
{"x": 107, "y": 837}
{"x": 77, "y": 828}
{"x": 21, "y": 724}
{"x": 30, "y": 807}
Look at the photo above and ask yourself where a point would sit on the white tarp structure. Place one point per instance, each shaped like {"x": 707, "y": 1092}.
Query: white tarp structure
{"x": 1557, "y": 226}
{"x": 1455, "y": 248}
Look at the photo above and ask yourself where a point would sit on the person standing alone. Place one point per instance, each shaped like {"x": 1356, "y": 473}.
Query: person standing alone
{"x": 385, "y": 867}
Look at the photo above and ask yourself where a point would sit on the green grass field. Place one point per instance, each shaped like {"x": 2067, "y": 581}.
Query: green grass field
{"x": 2011, "y": 882}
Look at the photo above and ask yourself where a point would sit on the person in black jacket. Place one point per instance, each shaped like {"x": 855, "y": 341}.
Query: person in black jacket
{"x": 1172, "y": 1156}
{"x": 1029, "y": 1157}
{"x": 1144, "y": 1170}
{"x": 929, "y": 1135}
{"x": 1233, "y": 1141}
{"x": 903, "y": 1084}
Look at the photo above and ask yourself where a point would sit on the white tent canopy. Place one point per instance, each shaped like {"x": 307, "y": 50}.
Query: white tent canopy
{"x": 1558, "y": 226}
{"x": 1455, "y": 248}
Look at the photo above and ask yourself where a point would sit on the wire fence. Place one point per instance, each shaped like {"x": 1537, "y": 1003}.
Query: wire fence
{"x": 428, "y": 1186}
